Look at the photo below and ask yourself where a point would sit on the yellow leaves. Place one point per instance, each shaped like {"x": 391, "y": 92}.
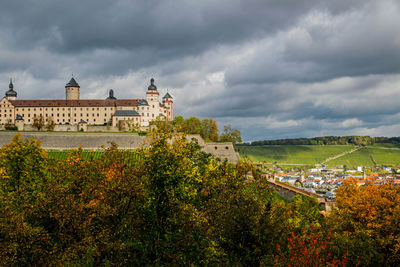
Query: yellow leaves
{"x": 92, "y": 203}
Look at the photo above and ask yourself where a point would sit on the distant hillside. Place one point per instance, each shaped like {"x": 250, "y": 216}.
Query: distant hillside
{"x": 292, "y": 154}
{"x": 328, "y": 140}
{"x": 331, "y": 155}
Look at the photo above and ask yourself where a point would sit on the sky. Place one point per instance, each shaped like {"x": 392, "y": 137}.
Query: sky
{"x": 270, "y": 68}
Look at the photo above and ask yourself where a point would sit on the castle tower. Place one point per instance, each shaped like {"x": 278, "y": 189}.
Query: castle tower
{"x": 72, "y": 90}
{"x": 111, "y": 95}
{"x": 153, "y": 110}
{"x": 168, "y": 103}
{"x": 11, "y": 94}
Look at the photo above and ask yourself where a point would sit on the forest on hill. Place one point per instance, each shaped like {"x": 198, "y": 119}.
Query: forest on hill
{"x": 327, "y": 140}
{"x": 172, "y": 204}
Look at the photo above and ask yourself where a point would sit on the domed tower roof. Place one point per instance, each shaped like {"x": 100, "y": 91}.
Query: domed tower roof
{"x": 152, "y": 86}
{"x": 11, "y": 92}
{"x": 111, "y": 95}
{"x": 72, "y": 83}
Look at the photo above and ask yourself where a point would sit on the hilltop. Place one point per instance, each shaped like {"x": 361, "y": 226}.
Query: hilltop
{"x": 352, "y": 151}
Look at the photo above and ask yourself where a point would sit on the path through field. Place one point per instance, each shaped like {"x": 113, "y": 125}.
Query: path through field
{"x": 340, "y": 155}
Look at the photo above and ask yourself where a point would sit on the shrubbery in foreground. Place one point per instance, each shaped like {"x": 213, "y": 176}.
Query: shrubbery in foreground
{"x": 172, "y": 205}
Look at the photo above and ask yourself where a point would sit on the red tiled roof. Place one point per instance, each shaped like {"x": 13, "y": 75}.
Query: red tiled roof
{"x": 75, "y": 103}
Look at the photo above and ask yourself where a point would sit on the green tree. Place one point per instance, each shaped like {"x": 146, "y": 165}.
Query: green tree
{"x": 209, "y": 130}
{"x": 23, "y": 163}
{"x": 192, "y": 125}
{"x": 178, "y": 123}
{"x": 230, "y": 135}
{"x": 23, "y": 166}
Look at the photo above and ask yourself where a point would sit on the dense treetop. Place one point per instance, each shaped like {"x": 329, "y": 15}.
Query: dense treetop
{"x": 173, "y": 204}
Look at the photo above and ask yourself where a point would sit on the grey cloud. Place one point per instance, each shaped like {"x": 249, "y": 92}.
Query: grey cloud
{"x": 271, "y": 68}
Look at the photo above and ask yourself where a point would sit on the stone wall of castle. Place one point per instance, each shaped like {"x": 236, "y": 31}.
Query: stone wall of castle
{"x": 94, "y": 141}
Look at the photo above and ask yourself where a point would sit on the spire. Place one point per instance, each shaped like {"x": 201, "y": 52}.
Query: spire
{"x": 11, "y": 93}
{"x": 152, "y": 86}
{"x": 111, "y": 95}
{"x": 11, "y": 86}
{"x": 72, "y": 83}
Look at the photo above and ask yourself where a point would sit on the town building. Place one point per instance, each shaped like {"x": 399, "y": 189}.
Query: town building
{"x": 74, "y": 112}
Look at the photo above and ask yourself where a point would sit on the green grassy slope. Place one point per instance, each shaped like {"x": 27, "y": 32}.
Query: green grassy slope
{"x": 386, "y": 156}
{"x": 383, "y": 154}
{"x": 292, "y": 154}
{"x": 358, "y": 158}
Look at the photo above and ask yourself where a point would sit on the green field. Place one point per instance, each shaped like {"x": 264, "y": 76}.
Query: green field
{"x": 382, "y": 154}
{"x": 362, "y": 157}
{"x": 292, "y": 154}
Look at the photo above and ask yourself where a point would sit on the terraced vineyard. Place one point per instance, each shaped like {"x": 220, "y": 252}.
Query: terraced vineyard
{"x": 380, "y": 154}
{"x": 129, "y": 155}
{"x": 367, "y": 156}
{"x": 292, "y": 154}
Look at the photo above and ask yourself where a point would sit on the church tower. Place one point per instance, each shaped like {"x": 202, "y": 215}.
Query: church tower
{"x": 72, "y": 90}
{"x": 11, "y": 94}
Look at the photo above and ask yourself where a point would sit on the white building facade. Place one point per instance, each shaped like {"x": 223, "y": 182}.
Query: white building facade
{"x": 74, "y": 111}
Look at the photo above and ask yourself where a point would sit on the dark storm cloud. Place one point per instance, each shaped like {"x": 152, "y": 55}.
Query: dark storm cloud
{"x": 271, "y": 68}
{"x": 323, "y": 46}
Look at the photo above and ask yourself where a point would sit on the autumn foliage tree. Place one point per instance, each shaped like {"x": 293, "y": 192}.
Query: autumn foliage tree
{"x": 309, "y": 249}
{"x": 38, "y": 122}
{"x": 169, "y": 203}
{"x": 367, "y": 222}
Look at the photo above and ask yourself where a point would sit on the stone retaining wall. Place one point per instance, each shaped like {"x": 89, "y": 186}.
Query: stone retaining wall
{"x": 64, "y": 141}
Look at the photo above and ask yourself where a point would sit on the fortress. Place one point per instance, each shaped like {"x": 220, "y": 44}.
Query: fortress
{"x": 74, "y": 113}
{"x": 108, "y": 114}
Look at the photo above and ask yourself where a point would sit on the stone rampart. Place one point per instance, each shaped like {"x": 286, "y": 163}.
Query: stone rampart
{"x": 93, "y": 141}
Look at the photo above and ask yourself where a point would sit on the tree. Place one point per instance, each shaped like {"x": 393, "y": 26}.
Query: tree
{"x": 230, "y": 135}
{"x": 50, "y": 124}
{"x": 23, "y": 164}
{"x": 366, "y": 220}
{"x": 192, "y": 125}
{"x": 309, "y": 249}
{"x": 38, "y": 122}
{"x": 209, "y": 130}
{"x": 178, "y": 123}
